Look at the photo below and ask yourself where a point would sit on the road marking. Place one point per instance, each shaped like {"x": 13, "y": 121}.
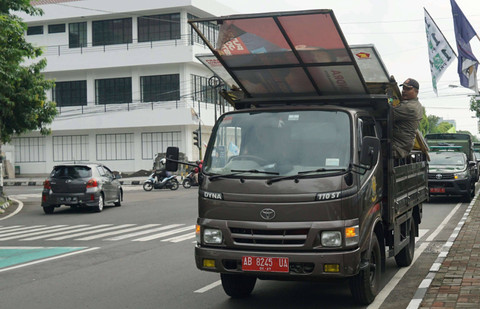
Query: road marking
{"x": 13, "y": 235}
{"x": 19, "y": 208}
{"x": 180, "y": 238}
{"x": 37, "y": 232}
{"x": 65, "y": 232}
{"x": 145, "y": 232}
{"x": 24, "y": 228}
{"x": 401, "y": 272}
{"x": 6, "y": 228}
{"x": 117, "y": 232}
{"x": 47, "y": 259}
{"x": 209, "y": 287}
{"x": 91, "y": 232}
{"x": 156, "y": 236}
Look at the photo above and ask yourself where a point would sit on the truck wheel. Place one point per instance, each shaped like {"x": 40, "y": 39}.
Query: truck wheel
{"x": 237, "y": 286}
{"x": 366, "y": 284}
{"x": 405, "y": 257}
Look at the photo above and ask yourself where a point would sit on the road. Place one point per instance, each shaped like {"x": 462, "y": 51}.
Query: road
{"x": 140, "y": 255}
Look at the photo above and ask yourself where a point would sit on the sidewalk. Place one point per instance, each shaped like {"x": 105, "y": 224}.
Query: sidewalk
{"x": 454, "y": 278}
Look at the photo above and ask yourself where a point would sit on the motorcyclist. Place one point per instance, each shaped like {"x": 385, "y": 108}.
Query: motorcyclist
{"x": 161, "y": 173}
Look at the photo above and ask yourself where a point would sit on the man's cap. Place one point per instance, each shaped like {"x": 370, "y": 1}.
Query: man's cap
{"x": 410, "y": 82}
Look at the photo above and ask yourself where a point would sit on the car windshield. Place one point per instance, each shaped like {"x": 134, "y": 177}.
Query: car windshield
{"x": 447, "y": 158}
{"x": 71, "y": 172}
{"x": 281, "y": 143}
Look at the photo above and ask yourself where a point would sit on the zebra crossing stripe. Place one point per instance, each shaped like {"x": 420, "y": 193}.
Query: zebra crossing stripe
{"x": 65, "y": 232}
{"x": 180, "y": 238}
{"x": 38, "y": 232}
{"x": 156, "y": 236}
{"x": 117, "y": 232}
{"x": 6, "y": 228}
{"x": 6, "y": 236}
{"x": 24, "y": 228}
{"x": 91, "y": 232}
{"x": 166, "y": 227}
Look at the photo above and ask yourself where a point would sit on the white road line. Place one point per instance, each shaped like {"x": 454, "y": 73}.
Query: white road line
{"x": 151, "y": 237}
{"x": 6, "y": 228}
{"x": 400, "y": 273}
{"x": 7, "y": 235}
{"x": 422, "y": 232}
{"x": 16, "y": 211}
{"x": 48, "y": 259}
{"x": 166, "y": 227}
{"x": 180, "y": 238}
{"x": 209, "y": 287}
{"x": 24, "y": 228}
{"x": 66, "y": 232}
{"x": 117, "y": 232}
{"x": 91, "y": 232}
{"x": 40, "y": 232}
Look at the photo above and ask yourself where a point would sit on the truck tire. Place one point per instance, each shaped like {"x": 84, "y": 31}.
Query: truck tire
{"x": 472, "y": 194}
{"x": 237, "y": 286}
{"x": 467, "y": 197}
{"x": 405, "y": 257}
{"x": 366, "y": 284}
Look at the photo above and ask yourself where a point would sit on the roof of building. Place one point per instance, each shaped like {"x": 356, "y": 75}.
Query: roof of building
{"x": 43, "y": 2}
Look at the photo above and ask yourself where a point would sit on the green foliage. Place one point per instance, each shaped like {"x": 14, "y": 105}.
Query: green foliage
{"x": 23, "y": 99}
{"x": 424, "y": 123}
{"x": 475, "y": 105}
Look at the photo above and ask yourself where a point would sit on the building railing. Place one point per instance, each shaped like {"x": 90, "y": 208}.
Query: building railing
{"x": 58, "y": 50}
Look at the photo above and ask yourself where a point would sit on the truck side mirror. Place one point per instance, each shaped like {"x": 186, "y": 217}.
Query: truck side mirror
{"x": 369, "y": 151}
{"x": 172, "y": 159}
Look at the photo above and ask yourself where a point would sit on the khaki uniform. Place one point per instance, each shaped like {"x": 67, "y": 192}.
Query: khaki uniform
{"x": 406, "y": 118}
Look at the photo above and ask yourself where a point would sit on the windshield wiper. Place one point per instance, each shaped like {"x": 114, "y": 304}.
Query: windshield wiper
{"x": 305, "y": 173}
{"x": 238, "y": 172}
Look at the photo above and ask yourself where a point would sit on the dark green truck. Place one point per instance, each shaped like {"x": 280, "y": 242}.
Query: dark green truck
{"x": 299, "y": 183}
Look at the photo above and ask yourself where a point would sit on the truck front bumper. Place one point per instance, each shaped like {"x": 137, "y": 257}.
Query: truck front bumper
{"x": 302, "y": 265}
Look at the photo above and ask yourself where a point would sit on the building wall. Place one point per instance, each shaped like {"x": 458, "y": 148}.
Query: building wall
{"x": 121, "y": 60}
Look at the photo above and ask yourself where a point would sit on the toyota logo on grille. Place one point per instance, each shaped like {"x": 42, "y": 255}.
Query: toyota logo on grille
{"x": 267, "y": 214}
{"x": 438, "y": 176}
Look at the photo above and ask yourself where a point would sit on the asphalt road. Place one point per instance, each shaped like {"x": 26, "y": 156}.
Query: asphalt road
{"x": 140, "y": 255}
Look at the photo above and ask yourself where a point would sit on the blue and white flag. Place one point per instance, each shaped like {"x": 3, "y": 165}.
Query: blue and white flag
{"x": 440, "y": 53}
{"x": 467, "y": 63}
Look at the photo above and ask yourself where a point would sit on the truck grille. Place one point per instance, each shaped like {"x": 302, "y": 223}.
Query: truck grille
{"x": 444, "y": 176}
{"x": 274, "y": 237}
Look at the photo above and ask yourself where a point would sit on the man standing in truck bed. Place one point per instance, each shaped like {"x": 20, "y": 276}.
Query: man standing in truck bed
{"x": 406, "y": 118}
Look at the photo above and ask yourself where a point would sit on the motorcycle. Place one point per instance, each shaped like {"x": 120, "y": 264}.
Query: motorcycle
{"x": 189, "y": 181}
{"x": 169, "y": 182}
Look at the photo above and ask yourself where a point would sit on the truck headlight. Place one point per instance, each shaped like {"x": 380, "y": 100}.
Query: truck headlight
{"x": 212, "y": 236}
{"x": 461, "y": 175}
{"x": 331, "y": 239}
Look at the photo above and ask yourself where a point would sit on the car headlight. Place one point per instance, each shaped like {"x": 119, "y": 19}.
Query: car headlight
{"x": 212, "y": 236}
{"x": 461, "y": 174}
{"x": 331, "y": 239}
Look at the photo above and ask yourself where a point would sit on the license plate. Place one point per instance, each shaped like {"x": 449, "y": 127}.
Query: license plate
{"x": 437, "y": 190}
{"x": 69, "y": 199}
{"x": 265, "y": 264}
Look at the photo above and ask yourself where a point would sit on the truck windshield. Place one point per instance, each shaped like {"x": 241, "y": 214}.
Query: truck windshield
{"x": 271, "y": 144}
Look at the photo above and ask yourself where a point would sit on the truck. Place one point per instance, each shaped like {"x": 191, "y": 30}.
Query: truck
{"x": 299, "y": 181}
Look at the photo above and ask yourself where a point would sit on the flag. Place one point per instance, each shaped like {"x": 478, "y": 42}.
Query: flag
{"x": 467, "y": 63}
{"x": 440, "y": 53}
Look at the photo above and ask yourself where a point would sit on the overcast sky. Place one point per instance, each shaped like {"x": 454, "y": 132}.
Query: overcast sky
{"x": 397, "y": 29}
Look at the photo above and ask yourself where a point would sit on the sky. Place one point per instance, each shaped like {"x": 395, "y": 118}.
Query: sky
{"x": 397, "y": 29}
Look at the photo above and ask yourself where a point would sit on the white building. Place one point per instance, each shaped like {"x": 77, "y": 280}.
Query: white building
{"x": 127, "y": 82}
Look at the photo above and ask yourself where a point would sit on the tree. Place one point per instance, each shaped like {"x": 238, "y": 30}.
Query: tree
{"x": 475, "y": 105}
{"x": 424, "y": 126}
{"x": 24, "y": 105}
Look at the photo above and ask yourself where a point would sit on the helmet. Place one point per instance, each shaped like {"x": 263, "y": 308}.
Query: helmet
{"x": 163, "y": 161}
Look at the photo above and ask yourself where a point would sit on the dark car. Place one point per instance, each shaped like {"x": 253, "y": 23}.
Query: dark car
{"x": 81, "y": 185}
{"x": 450, "y": 173}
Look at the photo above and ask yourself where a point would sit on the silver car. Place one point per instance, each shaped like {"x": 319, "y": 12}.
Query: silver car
{"x": 81, "y": 185}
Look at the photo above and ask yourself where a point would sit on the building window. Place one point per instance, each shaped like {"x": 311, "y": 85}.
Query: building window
{"x": 29, "y": 149}
{"x": 72, "y": 93}
{"x": 77, "y": 35}
{"x": 202, "y": 92}
{"x": 114, "y": 31}
{"x": 34, "y": 30}
{"x": 58, "y": 28}
{"x": 209, "y": 30}
{"x": 157, "y": 142}
{"x": 113, "y": 90}
{"x": 70, "y": 148}
{"x": 159, "y": 27}
{"x": 160, "y": 88}
{"x": 115, "y": 146}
